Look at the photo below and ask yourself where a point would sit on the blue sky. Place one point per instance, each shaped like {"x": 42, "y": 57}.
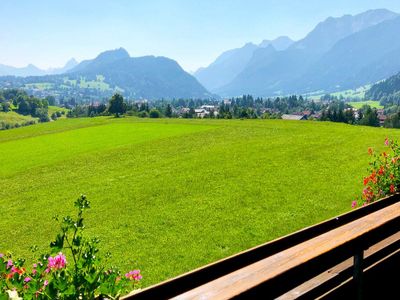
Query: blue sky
{"x": 49, "y": 32}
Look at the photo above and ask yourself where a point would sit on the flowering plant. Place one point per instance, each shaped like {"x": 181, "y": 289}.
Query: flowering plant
{"x": 53, "y": 276}
{"x": 384, "y": 174}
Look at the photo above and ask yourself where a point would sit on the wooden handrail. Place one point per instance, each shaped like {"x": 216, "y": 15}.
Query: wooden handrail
{"x": 337, "y": 275}
{"x": 248, "y": 278}
{"x": 268, "y": 267}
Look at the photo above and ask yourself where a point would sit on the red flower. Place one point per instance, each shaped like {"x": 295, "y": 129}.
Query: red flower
{"x": 373, "y": 177}
{"x": 392, "y": 189}
{"x": 381, "y": 171}
{"x": 366, "y": 180}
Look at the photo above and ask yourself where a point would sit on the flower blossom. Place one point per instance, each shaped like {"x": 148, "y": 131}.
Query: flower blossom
{"x": 57, "y": 262}
{"x": 381, "y": 170}
{"x": 9, "y": 263}
{"x": 134, "y": 275}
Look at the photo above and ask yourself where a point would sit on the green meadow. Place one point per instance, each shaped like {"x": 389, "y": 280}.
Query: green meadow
{"x": 12, "y": 117}
{"x": 99, "y": 83}
{"x": 172, "y": 195}
{"x": 359, "y": 104}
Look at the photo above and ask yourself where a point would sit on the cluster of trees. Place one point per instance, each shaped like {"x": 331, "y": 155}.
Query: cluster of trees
{"x": 386, "y": 91}
{"x": 393, "y": 117}
{"x": 271, "y": 108}
{"x": 7, "y": 97}
{"x": 37, "y": 108}
{"x": 24, "y": 104}
{"x": 118, "y": 106}
{"x": 339, "y": 111}
{"x": 55, "y": 115}
{"x": 91, "y": 110}
{"x": 390, "y": 100}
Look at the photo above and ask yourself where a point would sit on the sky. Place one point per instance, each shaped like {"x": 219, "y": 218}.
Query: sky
{"x": 47, "y": 33}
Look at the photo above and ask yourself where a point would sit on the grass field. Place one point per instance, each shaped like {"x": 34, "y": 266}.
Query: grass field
{"x": 351, "y": 93}
{"x": 12, "y": 117}
{"x": 374, "y": 104}
{"x": 40, "y": 86}
{"x": 172, "y": 195}
{"x": 99, "y": 83}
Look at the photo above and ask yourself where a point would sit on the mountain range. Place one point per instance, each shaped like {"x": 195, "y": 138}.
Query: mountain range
{"x": 230, "y": 63}
{"x": 31, "y": 70}
{"x": 339, "y": 53}
{"x": 146, "y": 77}
{"x": 142, "y": 77}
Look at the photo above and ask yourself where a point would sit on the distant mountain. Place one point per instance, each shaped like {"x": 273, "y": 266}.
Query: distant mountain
{"x": 101, "y": 60}
{"x": 230, "y": 63}
{"x": 147, "y": 77}
{"x": 72, "y": 63}
{"x": 364, "y": 57}
{"x": 142, "y": 77}
{"x": 292, "y": 70}
{"x": 31, "y": 70}
{"x": 280, "y": 43}
{"x": 330, "y": 31}
{"x": 226, "y": 67}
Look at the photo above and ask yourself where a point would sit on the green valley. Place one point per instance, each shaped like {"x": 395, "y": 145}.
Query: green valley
{"x": 170, "y": 195}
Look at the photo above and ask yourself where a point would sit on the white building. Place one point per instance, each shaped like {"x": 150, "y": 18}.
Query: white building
{"x": 201, "y": 112}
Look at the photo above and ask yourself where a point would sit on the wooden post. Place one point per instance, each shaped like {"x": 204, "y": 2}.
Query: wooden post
{"x": 358, "y": 273}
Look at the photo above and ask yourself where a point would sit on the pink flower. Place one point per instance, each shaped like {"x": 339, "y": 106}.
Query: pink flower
{"x": 386, "y": 142}
{"x": 27, "y": 279}
{"x": 353, "y": 204}
{"x": 9, "y": 263}
{"x": 134, "y": 275}
{"x": 46, "y": 283}
{"x": 1, "y": 255}
{"x": 57, "y": 262}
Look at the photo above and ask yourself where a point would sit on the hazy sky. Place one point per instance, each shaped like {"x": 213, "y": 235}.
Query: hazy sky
{"x": 49, "y": 32}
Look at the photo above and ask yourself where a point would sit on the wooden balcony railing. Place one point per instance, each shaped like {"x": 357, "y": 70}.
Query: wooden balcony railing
{"x": 326, "y": 260}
